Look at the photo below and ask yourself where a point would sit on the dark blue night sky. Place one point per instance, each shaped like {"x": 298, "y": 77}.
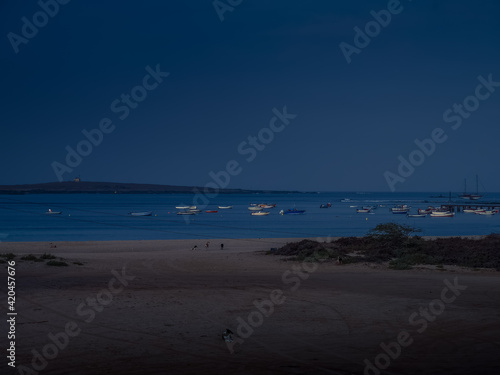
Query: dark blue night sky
{"x": 178, "y": 87}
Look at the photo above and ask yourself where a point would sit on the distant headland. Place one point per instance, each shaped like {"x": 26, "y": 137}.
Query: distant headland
{"x": 76, "y": 186}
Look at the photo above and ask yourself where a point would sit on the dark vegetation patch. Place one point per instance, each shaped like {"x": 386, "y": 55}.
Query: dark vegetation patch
{"x": 29, "y": 257}
{"x": 394, "y": 243}
{"x": 33, "y": 258}
{"x": 47, "y": 256}
{"x": 42, "y": 258}
{"x": 7, "y": 256}
{"x": 57, "y": 263}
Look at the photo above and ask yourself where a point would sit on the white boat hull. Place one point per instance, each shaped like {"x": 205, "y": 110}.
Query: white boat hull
{"x": 442, "y": 214}
{"x": 485, "y": 213}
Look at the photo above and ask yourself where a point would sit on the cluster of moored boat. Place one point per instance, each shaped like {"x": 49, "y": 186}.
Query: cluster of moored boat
{"x": 257, "y": 209}
{"x": 431, "y": 211}
{"x": 481, "y": 211}
{"x": 260, "y": 210}
{"x": 442, "y": 212}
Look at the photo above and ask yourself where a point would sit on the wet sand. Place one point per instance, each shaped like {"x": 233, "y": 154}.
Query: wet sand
{"x": 156, "y": 307}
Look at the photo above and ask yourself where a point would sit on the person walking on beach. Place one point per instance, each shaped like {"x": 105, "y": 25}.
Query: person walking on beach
{"x": 207, "y": 245}
{"x": 222, "y": 246}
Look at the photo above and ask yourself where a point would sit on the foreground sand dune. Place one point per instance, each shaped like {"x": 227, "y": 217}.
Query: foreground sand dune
{"x": 156, "y": 307}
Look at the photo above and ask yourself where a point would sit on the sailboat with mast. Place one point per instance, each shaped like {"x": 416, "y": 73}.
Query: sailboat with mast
{"x": 469, "y": 196}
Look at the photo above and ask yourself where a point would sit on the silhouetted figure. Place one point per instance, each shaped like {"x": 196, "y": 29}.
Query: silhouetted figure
{"x": 227, "y": 335}
{"x": 194, "y": 247}
{"x": 207, "y": 245}
{"x": 339, "y": 260}
{"x": 222, "y": 246}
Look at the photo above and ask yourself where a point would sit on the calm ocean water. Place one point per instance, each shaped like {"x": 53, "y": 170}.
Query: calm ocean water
{"x": 105, "y": 216}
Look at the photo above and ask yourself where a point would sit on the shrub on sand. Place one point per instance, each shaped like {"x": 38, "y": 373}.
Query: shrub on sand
{"x": 47, "y": 256}
{"x": 57, "y": 263}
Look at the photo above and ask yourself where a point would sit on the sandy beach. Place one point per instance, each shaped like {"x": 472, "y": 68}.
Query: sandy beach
{"x": 156, "y": 307}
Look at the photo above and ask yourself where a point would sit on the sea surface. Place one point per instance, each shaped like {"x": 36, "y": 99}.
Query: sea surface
{"x": 101, "y": 217}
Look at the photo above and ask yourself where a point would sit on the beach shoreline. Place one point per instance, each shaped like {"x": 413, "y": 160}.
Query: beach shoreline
{"x": 169, "y": 305}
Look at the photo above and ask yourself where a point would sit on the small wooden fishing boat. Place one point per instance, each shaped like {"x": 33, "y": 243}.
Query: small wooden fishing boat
{"x": 225, "y": 207}
{"x": 211, "y": 211}
{"x": 143, "y": 213}
{"x": 442, "y": 214}
{"x": 265, "y": 205}
{"x": 50, "y": 212}
{"x": 416, "y": 215}
{"x": 255, "y": 208}
{"x": 328, "y": 205}
{"x": 185, "y": 213}
{"x": 292, "y": 211}
{"x": 260, "y": 213}
{"x": 363, "y": 210}
{"x": 485, "y": 212}
{"x": 401, "y": 209}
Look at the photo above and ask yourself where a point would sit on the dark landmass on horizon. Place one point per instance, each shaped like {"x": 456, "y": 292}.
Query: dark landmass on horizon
{"x": 73, "y": 187}
{"x": 97, "y": 187}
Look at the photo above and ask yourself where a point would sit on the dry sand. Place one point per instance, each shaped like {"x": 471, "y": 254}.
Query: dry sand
{"x": 169, "y": 318}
